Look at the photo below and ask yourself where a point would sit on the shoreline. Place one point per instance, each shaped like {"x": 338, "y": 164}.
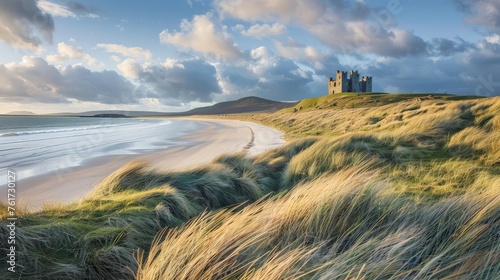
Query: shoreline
{"x": 193, "y": 148}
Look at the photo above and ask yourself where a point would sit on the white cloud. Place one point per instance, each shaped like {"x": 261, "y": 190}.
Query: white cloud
{"x": 285, "y": 10}
{"x": 202, "y": 35}
{"x": 322, "y": 61}
{"x": 314, "y": 54}
{"x": 265, "y": 30}
{"x": 55, "y": 9}
{"x": 263, "y": 59}
{"x": 23, "y": 24}
{"x": 494, "y": 39}
{"x": 362, "y": 35}
{"x": 116, "y": 58}
{"x": 129, "y": 68}
{"x": 191, "y": 2}
{"x": 68, "y": 52}
{"x": 298, "y": 51}
{"x": 71, "y": 10}
{"x": 238, "y": 27}
{"x": 92, "y": 15}
{"x": 287, "y": 51}
{"x": 132, "y": 52}
{"x": 171, "y": 63}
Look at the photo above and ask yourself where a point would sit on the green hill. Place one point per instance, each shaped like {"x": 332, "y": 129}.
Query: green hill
{"x": 372, "y": 99}
{"x": 244, "y": 105}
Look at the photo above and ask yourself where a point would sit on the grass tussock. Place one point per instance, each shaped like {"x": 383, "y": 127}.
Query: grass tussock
{"x": 392, "y": 189}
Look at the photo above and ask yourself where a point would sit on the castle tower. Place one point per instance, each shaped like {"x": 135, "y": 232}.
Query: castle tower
{"x": 366, "y": 84}
{"x": 340, "y": 84}
{"x": 354, "y": 81}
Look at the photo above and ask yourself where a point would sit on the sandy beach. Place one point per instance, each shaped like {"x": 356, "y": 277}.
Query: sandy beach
{"x": 198, "y": 147}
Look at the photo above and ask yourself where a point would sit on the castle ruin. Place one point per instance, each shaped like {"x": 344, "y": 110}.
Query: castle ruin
{"x": 351, "y": 84}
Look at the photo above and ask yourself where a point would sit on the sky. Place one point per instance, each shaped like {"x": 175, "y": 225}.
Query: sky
{"x": 155, "y": 55}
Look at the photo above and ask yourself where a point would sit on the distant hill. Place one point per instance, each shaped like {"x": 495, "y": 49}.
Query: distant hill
{"x": 21, "y": 113}
{"x": 244, "y": 105}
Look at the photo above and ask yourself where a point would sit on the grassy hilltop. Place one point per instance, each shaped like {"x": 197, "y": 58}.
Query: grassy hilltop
{"x": 369, "y": 186}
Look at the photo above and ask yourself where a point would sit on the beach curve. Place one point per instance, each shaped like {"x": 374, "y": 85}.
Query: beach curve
{"x": 197, "y": 147}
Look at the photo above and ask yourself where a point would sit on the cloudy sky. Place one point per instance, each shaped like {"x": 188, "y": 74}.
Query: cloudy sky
{"x": 75, "y": 55}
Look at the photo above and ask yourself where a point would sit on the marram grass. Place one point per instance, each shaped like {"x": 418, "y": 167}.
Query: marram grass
{"x": 344, "y": 226}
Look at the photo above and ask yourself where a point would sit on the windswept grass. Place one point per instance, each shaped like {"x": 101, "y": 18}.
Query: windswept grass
{"x": 96, "y": 238}
{"x": 345, "y": 226}
{"x": 439, "y": 145}
{"x": 405, "y": 190}
{"x": 409, "y": 116}
{"x": 372, "y": 99}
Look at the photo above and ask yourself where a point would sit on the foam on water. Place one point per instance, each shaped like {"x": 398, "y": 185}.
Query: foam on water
{"x": 55, "y": 145}
{"x": 59, "y": 130}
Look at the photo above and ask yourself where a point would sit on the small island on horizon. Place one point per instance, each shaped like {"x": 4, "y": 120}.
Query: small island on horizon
{"x": 21, "y": 113}
{"x": 106, "y": 115}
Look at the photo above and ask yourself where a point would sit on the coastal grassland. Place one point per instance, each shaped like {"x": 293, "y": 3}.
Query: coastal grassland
{"x": 428, "y": 147}
{"x": 372, "y": 99}
{"x": 406, "y": 190}
{"x": 97, "y": 237}
{"x": 342, "y": 226}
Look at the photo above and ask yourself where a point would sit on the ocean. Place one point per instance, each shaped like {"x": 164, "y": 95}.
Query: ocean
{"x": 35, "y": 145}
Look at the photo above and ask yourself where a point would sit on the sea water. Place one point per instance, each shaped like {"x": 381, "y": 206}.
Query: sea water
{"x": 35, "y": 145}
